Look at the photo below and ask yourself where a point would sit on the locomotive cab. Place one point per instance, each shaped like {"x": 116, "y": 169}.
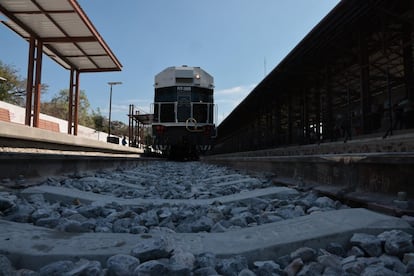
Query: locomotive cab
{"x": 184, "y": 112}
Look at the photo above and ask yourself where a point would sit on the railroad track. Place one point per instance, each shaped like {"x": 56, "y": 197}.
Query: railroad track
{"x": 173, "y": 217}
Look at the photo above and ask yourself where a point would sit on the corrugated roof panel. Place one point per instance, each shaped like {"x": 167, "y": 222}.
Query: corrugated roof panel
{"x": 55, "y": 5}
{"x": 67, "y": 49}
{"x": 102, "y": 61}
{"x": 56, "y": 58}
{"x": 92, "y": 48}
{"x": 82, "y": 62}
{"x": 71, "y": 24}
{"x": 19, "y": 5}
{"x": 40, "y": 24}
{"x": 16, "y": 28}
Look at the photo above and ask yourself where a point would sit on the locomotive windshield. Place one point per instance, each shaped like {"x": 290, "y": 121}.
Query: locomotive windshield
{"x": 177, "y": 104}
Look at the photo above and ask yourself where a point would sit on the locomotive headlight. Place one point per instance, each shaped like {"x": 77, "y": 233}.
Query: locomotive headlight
{"x": 197, "y": 76}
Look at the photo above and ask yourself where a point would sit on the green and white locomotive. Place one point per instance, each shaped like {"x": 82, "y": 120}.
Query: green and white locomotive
{"x": 183, "y": 126}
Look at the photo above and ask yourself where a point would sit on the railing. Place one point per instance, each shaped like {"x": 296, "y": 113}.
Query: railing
{"x": 177, "y": 112}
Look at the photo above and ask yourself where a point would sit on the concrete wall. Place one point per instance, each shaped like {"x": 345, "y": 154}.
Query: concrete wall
{"x": 365, "y": 165}
{"x": 17, "y": 115}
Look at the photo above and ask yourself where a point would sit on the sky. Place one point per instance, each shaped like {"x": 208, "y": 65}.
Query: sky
{"x": 238, "y": 42}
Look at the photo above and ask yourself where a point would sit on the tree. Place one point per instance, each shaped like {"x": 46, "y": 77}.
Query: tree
{"x": 99, "y": 121}
{"x": 59, "y": 107}
{"x": 119, "y": 128}
{"x": 13, "y": 90}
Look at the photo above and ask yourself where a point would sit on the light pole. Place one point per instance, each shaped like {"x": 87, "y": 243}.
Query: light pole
{"x": 110, "y": 105}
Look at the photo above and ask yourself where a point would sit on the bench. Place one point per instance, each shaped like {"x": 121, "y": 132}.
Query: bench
{"x": 4, "y": 115}
{"x": 48, "y": 125}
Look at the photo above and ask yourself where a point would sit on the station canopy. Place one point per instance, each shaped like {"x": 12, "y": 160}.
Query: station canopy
{"x": 67, "y": 34}
{"x": 145, "y": 119}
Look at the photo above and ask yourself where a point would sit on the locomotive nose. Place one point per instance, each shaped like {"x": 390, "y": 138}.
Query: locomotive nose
{"x": 184, "y": 111}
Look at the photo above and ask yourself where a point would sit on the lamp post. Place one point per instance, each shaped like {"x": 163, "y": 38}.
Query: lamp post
{"x": 110, "y": 105}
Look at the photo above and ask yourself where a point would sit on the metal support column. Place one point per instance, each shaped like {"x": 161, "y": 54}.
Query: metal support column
{"x": 365, "y": 95}
{"x": 347, "y": 126}
{"x": 278, "y": 123}
{"x": 37, "y": 84}
{"x": 73, "y": 101}
{"x": 328, "y": 124}
{"x": 290, "y": 119}
{"x": 131, "y": 124}
{"x": 34, "y": 78}
{"x": 29, "y": 85}
{"x": 269, "y": 126}
{"x": 389, "y": 94}
{"x": 317, "y": 123}
{"x": 70, "y": 101}
{"x": 137, "y": 132}
{"x": 408, "y": 61}
{"x": 273, "y": 123}
{"x": 389, "y": 90}
{"x": 77, "y": 96}
{"x": 305, "y": 117}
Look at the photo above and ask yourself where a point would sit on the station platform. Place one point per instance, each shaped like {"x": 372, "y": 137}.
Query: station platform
{"x": 32, "y": 152}
{"x": 21, "y": 138}
{"x": 355, "y": 169}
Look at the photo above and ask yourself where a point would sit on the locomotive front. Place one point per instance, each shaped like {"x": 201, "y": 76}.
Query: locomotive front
{"x": 183, "y": 125}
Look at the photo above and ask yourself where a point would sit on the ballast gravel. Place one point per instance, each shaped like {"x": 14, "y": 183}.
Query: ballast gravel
{"x": 390, "y": 253}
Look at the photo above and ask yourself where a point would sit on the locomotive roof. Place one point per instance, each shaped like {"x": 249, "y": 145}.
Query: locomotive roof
{"x": 184, "y": 76}
{"x": 184, "y": 68}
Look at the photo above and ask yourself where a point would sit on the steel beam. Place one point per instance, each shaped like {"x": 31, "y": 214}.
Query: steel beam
{"x": 70, "y": 101}
{"x": 408, "y": 61}
{"x": 365, "y": 93}
{"x": 76, "y": 110}
{"x": 73, "y": 102}
{"x": 29, "y": 84}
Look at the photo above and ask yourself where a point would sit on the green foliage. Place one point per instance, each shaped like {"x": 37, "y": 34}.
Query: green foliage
{"x": 13, "y": 90}
{"x": 99, "y": 121}
{"x": 119, "y": 128}
{"x": 59, "y": 107}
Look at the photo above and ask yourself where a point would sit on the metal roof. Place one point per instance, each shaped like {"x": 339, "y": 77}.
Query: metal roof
{"x": 68, "y": 35}
{"x": 333, "y": 45}
{"x": 145, "y": 119}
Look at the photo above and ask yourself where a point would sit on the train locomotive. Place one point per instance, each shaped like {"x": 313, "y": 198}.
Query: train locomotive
{"x": 183, "y": 126}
